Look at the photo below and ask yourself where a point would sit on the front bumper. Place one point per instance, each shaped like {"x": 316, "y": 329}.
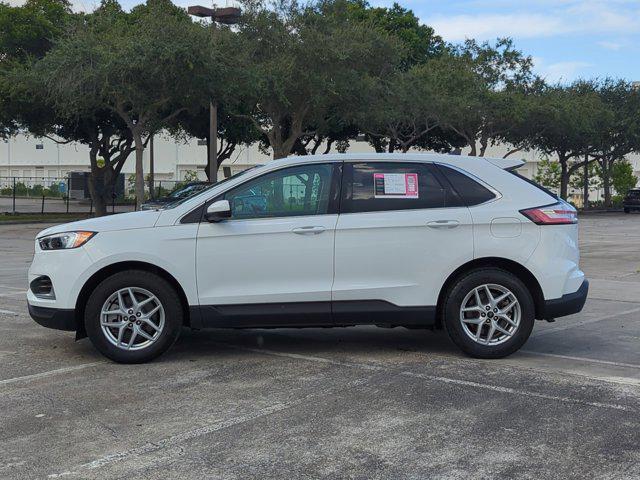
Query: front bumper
{"x": 58, "y": 318}
{"x": 567, "y": 304}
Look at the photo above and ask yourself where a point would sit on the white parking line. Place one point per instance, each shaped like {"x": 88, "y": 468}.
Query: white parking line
{"x": 49, "y": 373}
{"x": 567, "y": 326}
{"x": 515, "y": 391}
{"x": 7, "y": 312}
{"x": 2, "y": 287}
{"x": 583, "y": 359}
{"x": 23, "y": 292}
{"x": 455, "y": 381}
{"x": 175, "y": 440}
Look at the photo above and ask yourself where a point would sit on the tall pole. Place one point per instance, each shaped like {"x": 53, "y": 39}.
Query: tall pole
{"x": 151, "y": 169}
{"x": 213, "y": 142}
{"x": 228, "y": 16}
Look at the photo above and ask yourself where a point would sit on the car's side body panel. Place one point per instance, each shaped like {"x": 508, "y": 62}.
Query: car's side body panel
{"x": 362, "y": 268}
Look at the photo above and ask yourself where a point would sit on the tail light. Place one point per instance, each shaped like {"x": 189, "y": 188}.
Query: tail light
{"x": 560, "y": 213}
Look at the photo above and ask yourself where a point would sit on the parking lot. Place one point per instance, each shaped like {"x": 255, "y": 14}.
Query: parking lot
{"x": 359, "y": 402}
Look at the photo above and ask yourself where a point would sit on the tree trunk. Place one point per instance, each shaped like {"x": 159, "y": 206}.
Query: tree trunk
{"x": 137, "y": 139}
{"x": 97, "y": 191}
{"x": 585, "y": 185}
{"x": 606, "y": 181}
{"x": 473, "y": 152}
{"x": 564, "y": 177}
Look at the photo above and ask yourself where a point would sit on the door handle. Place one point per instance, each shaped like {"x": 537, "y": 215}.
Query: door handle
{"x": 311, "y": 230}
{"x": 443, "y": 224}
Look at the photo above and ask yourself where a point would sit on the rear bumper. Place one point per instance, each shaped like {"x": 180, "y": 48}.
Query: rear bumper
{"x": 567, "y": 304}
{"x": 58, "y": 318}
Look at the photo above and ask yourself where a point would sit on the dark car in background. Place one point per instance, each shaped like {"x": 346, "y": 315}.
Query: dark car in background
{"x": 631, "y": 200}
{"x": 186, "y": 191}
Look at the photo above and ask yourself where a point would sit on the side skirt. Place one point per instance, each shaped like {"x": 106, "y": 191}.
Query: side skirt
{"x": 311, "y": 314}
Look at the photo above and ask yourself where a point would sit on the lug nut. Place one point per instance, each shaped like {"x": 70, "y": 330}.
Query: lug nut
{"x": 483, "y": 314}
{"x": 138, "y": 314}
{"x": 138, "y": 322}
{"x": 130, "y": 311}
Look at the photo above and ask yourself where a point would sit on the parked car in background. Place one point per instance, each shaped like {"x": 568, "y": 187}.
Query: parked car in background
{"x": 395, "y": 240}
{"x": 186, "y": 191}
{"x": 631, "y": 200}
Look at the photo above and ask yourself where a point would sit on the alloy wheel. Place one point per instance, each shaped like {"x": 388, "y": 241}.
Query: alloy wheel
{"x": 490, "y": 314}
{"x": 132, "y": 318}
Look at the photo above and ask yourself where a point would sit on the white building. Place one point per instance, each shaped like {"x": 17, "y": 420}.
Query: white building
{"x": 43, "y": 159}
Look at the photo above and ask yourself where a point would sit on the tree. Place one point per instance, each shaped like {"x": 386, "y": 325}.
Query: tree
{"x": 622, "y": 177}
{"x": 563, "y": 122}
{"x": 299, "y": 68}
{"x": 482, "y": 88}
{"x": 146, "y": 66}
{"x": 548, "y": 174}
{"x": 618, "y": 127}
{"x": 233, "y": 130}
{"x": 26, "y": 34}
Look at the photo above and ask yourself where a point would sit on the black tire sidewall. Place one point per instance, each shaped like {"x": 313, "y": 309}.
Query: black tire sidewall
{"x": 454, "y": 300}
{"x": 155, "y": 284}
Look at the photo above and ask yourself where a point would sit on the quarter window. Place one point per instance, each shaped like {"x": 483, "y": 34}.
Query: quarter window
{"x": 293, "y": 191}
{"x": 471, "y": 192}
{"x": 382, "y": 186}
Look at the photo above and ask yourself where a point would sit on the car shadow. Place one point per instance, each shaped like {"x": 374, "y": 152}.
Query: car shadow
{"x": 364, "y": 340}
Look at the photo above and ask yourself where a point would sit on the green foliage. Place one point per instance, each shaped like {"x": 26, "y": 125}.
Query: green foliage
{"x": 548, "y": 174}
{"x": 622, "y": 177}
{"x": 594, "y": 177}
{"x": 299, "y": 68}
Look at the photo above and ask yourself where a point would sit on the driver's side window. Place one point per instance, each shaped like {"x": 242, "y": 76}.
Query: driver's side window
{"x": 293, "y": 191}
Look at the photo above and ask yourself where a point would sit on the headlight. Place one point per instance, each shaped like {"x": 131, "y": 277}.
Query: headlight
{"x": 60, "y": 241}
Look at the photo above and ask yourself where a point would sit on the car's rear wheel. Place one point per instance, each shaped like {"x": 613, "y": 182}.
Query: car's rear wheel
{"x": 627, "y": 210}
{"x": 133, "y": 316}
{"x": 489, "y": 313}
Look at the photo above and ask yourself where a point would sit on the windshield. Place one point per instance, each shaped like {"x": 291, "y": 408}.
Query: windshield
{"x": 188, "y": 191}
{"x": 191, "y": 191}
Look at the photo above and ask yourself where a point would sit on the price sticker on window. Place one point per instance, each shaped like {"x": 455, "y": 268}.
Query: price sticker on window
{"x": 395, "y": 185}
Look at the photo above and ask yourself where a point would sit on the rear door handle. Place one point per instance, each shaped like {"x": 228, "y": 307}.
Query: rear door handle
{"x": 311, "y": 230}
{"x": 443, "y": 224}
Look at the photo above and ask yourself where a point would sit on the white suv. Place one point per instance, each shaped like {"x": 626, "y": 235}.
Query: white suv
{"x": 406, "y": 240}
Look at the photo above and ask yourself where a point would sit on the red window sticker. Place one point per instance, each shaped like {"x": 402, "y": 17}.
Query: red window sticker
{"x": 395, "y": 185}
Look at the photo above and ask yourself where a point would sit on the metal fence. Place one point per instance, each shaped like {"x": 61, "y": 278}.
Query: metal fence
{"x": 63, "y": 195}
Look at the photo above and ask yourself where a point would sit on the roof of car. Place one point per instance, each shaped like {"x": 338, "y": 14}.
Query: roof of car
{"x": 505, "y": 163}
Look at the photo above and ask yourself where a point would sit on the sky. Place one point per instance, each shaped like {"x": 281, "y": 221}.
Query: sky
{"x": 568, "y": 39}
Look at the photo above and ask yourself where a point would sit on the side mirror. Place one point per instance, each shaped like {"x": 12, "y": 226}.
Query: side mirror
{"x": 218, "y": 211}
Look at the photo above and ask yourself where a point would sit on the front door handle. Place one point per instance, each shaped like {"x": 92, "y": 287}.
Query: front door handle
{"x": 443, "y": 224}
{"x": 311, "y": 230}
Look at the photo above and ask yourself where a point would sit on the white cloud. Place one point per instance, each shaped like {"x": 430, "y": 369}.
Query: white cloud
{"x": 560, "y": 71}
{"x": 486, "y": 26}
{"x": 534, "y": 20}
{"x": 611, "y": 45}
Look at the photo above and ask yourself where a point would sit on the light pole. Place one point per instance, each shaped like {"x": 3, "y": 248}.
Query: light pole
{"x": 228, "y": 16}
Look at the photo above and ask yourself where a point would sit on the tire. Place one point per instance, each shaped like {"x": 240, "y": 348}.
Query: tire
{"x": 627, "y": 210}
{"x": 162, "y": 326}
{"x": 464, "y": 334}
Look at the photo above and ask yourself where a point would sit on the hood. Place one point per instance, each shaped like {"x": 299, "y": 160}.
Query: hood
{"x": 109, "y": 223}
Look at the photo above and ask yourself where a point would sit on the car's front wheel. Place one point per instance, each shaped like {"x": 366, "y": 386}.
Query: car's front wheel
{"x": 133, "y": 316}
{"x": 489, "y": 313}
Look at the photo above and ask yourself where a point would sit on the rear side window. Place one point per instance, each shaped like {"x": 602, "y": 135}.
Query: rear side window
{"x": 535, "y": 184}
{"x": 471, "y": 191}
{"x": 383, "y": 186}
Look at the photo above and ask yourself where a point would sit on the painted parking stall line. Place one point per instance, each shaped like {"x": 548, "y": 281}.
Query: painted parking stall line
{"x": 50, "y": 373}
